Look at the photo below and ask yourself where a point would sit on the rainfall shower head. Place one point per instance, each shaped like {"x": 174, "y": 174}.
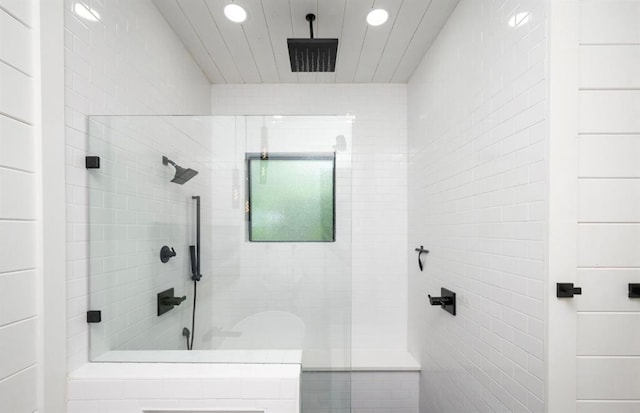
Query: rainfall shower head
{"x": 182, "y": 174}
{"x": 312, "y": 55}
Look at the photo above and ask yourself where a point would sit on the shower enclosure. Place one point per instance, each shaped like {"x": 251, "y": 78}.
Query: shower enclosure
{"x": 274, "y": 197}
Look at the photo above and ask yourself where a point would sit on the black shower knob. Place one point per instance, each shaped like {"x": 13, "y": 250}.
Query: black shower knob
{"x": 166, "y": 253}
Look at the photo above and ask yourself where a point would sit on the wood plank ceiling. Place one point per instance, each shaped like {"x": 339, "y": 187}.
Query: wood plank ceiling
{"x": 256, "y": 50}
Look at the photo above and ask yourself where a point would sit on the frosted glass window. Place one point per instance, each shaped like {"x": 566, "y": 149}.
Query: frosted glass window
{"x": 291, "y": 198}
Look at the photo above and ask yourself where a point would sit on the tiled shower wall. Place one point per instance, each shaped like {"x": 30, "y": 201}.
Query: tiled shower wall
{"x": 379, "y": 285}
{"x": 135, "y": 210}
{"x": 19, "y": 216}
{"x": 294, "y": 295}
{"x": 129, "y": 62}
{"x": 477, "y": 200}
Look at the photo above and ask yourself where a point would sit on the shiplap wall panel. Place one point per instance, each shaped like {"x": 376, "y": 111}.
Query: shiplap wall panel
{"x": 351, "y": 38}
{"x": 260, "y": 47}
{"x": 15, "y": 43}
{"x": 609, "y": 245}
{"x": 18, "y": 347}
{"x": 605, "y": 289}
{"x": 190, "y": 38}
{"x": 18, "y": 393}
{"x": 609, "y": 111}
{"x": 608, "y": 378}
{"x": 274, "y": 13}
{"x": 600, "y": 406}
{"x": 609, "y": 200}
{"x": 16, "y": 94}
{"x": 609, "y": 156}
{"x": 17, "y": 144}
{"x": 609, "y": 22}
{"x": 608, "y": 365}
{"x": 608, "y": 334}
{"x": 21, "y": 200}
{"x": 21, "y": 10}
{"x": 256, "y": 50}
{"x": 17, "y": 245}
{"x": 423, "y": 37}
{"x": 375, "y": 41}
{"x": 612, "y": 66}
{"x": 198, "y": 16}
{"x": 410, "y": 15}
{"x": 18, "y": 214}
{"x": 234, "y": 38}
{"x": 18, "y": 302}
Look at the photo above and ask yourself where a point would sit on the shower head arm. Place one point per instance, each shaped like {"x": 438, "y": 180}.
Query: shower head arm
{"x": 310, "y": 18}
{"x": 167, "y": 161}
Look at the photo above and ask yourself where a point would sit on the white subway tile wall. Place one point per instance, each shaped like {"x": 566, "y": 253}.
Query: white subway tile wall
{"x": 608, "y": 199}
{"x": 18, "y": 213}
{"x": 129, "y": 62}
{"x": 135, "y": 209}
{"x": 477, "y": 198}
{"x": 379, "y": 218}
{"x": 135, "y": 388}
{"x": 278, "y": 295}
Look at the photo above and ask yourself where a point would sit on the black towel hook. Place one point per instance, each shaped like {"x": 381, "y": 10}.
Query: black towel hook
{"x": 421, "y": 251}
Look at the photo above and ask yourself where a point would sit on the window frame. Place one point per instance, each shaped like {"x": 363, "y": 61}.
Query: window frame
{"x": 286, "y": 156}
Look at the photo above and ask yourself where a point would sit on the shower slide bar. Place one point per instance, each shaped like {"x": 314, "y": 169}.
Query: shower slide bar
{"x": 195, "y": 249}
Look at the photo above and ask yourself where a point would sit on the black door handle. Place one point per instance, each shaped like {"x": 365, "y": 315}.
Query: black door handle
{"x": 567, "y": 290}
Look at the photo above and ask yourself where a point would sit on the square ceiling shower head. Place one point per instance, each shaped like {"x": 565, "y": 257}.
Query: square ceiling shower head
{"x": 312, "y": 55}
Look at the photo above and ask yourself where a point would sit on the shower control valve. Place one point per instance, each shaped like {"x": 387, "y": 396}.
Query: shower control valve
{"x": 447, "y": 301}
{"x": 173, "y": 300}
{"x": 166, "y": 254}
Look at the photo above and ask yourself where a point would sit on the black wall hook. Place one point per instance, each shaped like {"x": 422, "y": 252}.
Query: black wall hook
{"x": 421, "y": 251}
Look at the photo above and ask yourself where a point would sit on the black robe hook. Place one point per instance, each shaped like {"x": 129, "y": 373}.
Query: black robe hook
{"x": 421, "y": 251}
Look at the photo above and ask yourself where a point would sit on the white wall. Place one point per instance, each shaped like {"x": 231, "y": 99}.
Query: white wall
{"x": 19, "y": 214}
{"x": 477, "y": 192}
{"x": 130, "y": 62}
{"x": 192, "y": 387}
{"x": 379, "y": 190}
{"x": 608, "y": 205}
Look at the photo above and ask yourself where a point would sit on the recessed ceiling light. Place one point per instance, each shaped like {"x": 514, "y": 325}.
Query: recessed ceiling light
{"x": 235, "y": 13}
{"x": 86, "y": 12}
{"x": 377, "y": 17}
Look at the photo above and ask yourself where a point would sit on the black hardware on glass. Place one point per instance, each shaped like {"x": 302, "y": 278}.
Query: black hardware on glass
{"x": 167, "y": 300}
{"x": 567, "y": 290}
{"x": 92, "y": 162}
{"x": 634, "y": 290}
{"x": 94, "y": 316}
{"x": 166, "y": 253}
{"x": 421, "y": 251}
{"x": 447, "y": 300}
